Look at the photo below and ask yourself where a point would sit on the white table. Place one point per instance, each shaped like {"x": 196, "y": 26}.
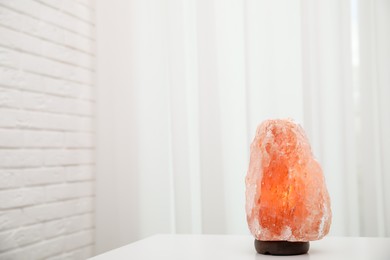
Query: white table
{"x": 241, "y": 247}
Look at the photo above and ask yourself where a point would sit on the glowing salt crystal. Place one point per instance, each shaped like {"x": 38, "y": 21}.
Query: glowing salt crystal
{"x": 286, "y": 195}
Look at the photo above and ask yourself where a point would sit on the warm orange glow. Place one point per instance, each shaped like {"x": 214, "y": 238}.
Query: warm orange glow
{"x": 291, "y": 201}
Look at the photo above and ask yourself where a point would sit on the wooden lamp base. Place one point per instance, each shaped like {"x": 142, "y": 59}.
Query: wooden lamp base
{"x": 281, "y": 247}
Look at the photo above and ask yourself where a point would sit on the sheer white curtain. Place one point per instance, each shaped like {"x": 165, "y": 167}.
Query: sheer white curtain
{"x": 373, "y": 82}
{"x": 182, "y": 86}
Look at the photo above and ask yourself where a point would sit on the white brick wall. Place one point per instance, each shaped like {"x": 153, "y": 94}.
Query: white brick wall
{"x": 47, "y": 67}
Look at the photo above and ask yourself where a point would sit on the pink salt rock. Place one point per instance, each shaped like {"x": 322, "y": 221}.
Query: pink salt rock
{"x": 286, "y": 195}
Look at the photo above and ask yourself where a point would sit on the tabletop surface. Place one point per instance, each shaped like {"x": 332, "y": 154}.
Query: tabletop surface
{"x": 241, "y": 247}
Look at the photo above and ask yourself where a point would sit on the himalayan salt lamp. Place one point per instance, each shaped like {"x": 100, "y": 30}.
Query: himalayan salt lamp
{"x": 287, "y": 203}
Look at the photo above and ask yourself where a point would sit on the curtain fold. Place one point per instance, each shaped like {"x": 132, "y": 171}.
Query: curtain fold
{"x": 192, "y": 81}
{"x": 374, "y": 113}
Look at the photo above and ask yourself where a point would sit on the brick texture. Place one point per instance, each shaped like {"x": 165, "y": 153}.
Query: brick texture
{"x": 47, "y": 73}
